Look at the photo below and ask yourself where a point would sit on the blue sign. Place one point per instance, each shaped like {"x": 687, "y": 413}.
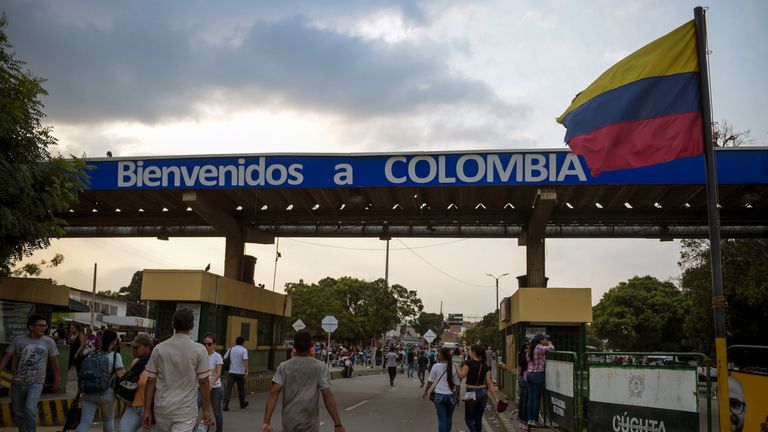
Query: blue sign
{"x": 486, "y": 168}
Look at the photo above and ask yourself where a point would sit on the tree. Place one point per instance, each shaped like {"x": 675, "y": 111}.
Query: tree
{"x": 745, "y": 286}
{"x": 725, "y": 134}
{"x": 486, "y": 332}
{"x": 364, "y": 309}
{"x": 36, "y": 269}
{"x": 641, "y": 314}
{"x": 430, "y": 321}
{"x": 34, "y": 186}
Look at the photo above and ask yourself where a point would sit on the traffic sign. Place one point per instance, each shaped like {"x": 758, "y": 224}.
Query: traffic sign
{"x": 298, "y": 325}
{"x": 429, "y": 336}
{"x": 330, "y": 323}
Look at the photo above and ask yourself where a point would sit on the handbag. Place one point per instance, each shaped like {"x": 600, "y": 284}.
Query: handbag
{"x": 432, "y": 393}
{"x": 73, "y": 416}
{"x": 470, "y": 397}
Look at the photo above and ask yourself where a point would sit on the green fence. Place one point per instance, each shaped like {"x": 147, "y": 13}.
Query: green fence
{"x": 567, "y": 390}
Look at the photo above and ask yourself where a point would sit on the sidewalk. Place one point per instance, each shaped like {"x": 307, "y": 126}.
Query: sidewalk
{"x": 505, "y": 418}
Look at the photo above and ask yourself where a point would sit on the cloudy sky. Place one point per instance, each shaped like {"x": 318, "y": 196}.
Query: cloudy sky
{"x": 192, "y": 77}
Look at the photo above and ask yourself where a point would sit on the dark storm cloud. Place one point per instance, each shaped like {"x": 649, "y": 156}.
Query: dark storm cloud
{"x": 148, "y": 63}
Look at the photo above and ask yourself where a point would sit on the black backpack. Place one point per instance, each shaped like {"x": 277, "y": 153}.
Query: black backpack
{"x": 94, "y": 375}
{"x": 125, "y": 387}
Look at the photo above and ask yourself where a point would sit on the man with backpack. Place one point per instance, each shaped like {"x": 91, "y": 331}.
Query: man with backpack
{"x": 130, "y": 388}
{"x": 95, "y": 381}
{"x": 33, "y": 352}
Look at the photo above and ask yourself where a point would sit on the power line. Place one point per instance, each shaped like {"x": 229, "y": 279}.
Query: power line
{"x": 372, "y": 249}
{"x": 440, "y": 270}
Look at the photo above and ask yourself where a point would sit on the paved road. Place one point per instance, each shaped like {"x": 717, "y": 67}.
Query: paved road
{"x": 365, "y": 404}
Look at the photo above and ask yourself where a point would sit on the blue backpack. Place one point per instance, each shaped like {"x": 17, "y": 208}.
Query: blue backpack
{"x": 94, "y": 375}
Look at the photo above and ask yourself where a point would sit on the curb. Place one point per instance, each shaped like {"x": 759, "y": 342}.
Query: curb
{"x": 504, "y": 421}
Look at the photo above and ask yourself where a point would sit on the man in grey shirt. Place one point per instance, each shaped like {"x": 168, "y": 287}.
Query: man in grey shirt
{"x": 302, "y": 380}
{"x": 33, "y": 353}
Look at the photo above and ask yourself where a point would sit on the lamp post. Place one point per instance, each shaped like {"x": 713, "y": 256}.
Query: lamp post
{"x": 498, "y": 317}
{"x": 497, "y": 290}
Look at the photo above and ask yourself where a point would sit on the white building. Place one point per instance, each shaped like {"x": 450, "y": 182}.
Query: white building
{"x": 103, "y": 305}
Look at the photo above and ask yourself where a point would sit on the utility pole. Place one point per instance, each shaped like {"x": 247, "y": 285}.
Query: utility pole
{"x": 497, "y": 291}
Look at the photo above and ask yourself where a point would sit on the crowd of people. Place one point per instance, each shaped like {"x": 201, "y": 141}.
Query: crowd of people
{"x": 176, "y": 385}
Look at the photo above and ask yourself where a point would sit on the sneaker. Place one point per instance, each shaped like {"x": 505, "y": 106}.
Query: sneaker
{"x": 226, "y": 408}
{"x": 244, "y": 406}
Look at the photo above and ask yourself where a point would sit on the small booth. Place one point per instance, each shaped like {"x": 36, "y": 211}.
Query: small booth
{"x": 561, "y": 313}
{"x": 226, "y": 307}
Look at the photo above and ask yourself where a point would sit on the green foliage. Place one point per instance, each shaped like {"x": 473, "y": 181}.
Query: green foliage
{"x": 486, "y": 332}
{"x": 364, "y": 309}
{"x": 34, "y": 186}
{"x": 745, "y": 285}
{"x": 36, "y": 269}
{"x": 430, "y": 321}
{"x": 641, "y": 314}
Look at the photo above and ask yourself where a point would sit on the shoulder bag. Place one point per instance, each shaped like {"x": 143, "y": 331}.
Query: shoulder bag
{"x": 434, "y": 387}
{"x": 470, "y": 397}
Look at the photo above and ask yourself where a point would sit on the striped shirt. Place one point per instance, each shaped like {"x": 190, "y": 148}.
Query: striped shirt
{"x": 537, "y": 362}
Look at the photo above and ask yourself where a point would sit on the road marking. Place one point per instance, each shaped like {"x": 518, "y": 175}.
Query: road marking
{"x": 394, "y": 388}
{"x": 357, "y": 405}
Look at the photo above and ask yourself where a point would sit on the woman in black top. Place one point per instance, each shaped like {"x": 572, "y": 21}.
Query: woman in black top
{"x": 478, "y": 383}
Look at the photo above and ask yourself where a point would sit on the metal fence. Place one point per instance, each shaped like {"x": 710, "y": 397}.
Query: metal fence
{"x": 631, "y": 391}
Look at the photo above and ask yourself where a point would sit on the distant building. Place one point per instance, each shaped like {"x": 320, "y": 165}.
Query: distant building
{"x": 102, "y": 304}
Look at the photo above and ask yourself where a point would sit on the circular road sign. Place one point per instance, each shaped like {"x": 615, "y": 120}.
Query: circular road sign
{"x": 429, "y": 336}
{"x": 298, "y": 325}
{"x": 330, "y": 323}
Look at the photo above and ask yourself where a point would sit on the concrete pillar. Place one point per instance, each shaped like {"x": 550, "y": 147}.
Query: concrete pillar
{"x": 534, "y": 261}
{"x": 233, "y": 257}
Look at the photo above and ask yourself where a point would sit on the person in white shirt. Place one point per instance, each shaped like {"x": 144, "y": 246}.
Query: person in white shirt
{"x": 238, "y": 371}
{"x": 175, "y": 369}
{"x": 445, "y": 375}
{"x": 215, "y": 363}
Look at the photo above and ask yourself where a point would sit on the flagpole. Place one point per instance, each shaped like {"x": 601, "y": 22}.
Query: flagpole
{"x": 718, "y": 299}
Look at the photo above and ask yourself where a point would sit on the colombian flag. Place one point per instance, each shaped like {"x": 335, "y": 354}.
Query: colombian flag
{"x": 644, "y": 110}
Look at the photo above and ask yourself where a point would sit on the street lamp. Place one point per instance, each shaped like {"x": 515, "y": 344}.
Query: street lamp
{"x": 497, "y": 291}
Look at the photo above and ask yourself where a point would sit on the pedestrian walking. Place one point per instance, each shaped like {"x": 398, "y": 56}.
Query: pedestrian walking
{"x": 95, "y": 383}
{"x": 445, "y": 377}
{"x": 33, "y": 352}
{"x": 131, "y": 420}
{"x": 390, "y": 363}
{"x": 536, "y": 363}
{"x": 302, "y": 380}
{"x": 522, "y": 382}
{"x": 411, "y": 362}
{"x": 215, "y": 364}
{"x": 175, "y": 369}
{"x": 367, "y": 356}
{"x": 423, "y": 363}
{"x": 477, "y": 387}
{"x": 78, "y": 344}
{"x": 238, "y": 371}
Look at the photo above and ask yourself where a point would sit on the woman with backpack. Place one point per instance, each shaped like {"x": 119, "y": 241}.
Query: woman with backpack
{"x": 445, "y": 375}
{"x": 142, "y": 346}
{"x": 95, "y": 379}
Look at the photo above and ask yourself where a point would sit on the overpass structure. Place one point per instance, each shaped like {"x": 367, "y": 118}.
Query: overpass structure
{"x": 525, "y": 194}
